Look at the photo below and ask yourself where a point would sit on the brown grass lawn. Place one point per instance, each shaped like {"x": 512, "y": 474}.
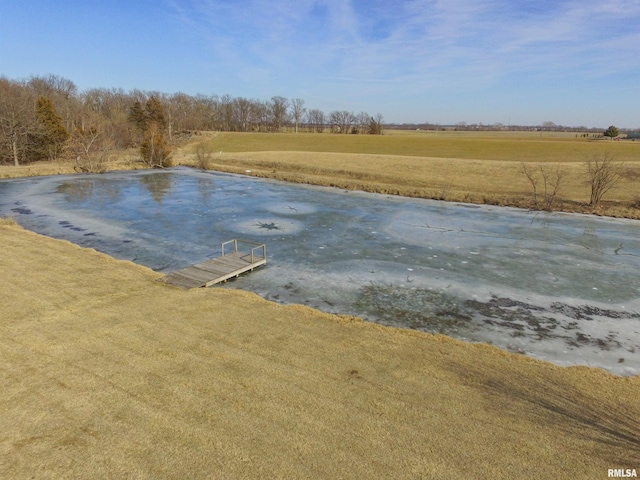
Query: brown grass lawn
{"x": 107, "y": 373}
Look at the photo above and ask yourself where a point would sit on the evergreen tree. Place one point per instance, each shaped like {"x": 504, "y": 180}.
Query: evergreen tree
{"x": 374, "y": 127}
{"x": 151, "y": 125}
{"x": 138, "y": 117}
{"x": 155, "y": 112}
{"x": 50, "y": 140}
{"x": 612, "y": 131}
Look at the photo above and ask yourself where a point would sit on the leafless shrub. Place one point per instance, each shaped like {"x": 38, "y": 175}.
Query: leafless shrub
{"x": 89, "y": 150}
{"x": 154, "y": 150}
{"x": 203, "y": 157}
{"x": 603, "y": 173}
{"x": 546, "y": 182}
{"x": 93, "y": 164}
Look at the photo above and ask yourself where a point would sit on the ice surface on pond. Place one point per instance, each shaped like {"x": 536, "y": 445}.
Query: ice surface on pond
{"x": 555, "y": 286}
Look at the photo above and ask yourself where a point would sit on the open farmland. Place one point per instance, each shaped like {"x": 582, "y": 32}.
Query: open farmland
{"x": 506, "y": 146}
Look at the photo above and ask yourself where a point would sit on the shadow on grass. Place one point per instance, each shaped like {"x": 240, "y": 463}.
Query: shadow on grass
{"x": 611, "y": 424}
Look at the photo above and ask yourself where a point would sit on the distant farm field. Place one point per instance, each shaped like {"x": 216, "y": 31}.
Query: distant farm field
{"x": 508, "y": 146}
{"x": 482, "y": 167}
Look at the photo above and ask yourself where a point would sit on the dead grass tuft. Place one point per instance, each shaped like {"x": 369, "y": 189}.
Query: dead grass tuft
{"x": 8, "y": 221}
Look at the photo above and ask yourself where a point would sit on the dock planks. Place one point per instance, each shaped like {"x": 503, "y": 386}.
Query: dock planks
{"x": 219, "y": 269}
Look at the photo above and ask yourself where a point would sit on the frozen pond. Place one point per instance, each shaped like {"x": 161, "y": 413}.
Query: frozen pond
{"x": 555, "y": 286}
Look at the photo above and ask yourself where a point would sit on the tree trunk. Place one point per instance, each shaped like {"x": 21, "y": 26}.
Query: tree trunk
{"x": 14, "y": 147}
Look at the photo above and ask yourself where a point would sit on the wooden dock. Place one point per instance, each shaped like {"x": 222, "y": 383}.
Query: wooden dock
{"x": 229, "y": 265}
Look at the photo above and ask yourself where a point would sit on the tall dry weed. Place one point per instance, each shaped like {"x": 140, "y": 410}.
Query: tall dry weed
{"x": 8, "y": 221}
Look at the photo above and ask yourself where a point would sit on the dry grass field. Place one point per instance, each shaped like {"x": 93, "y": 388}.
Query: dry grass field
{"x": 107, "y": 373}
{"x": 507, "y": 146}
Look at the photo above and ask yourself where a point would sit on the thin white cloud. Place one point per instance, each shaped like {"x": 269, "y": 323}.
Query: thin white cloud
{"x": 430, "y": 33}
{"x": 407, "y": 47}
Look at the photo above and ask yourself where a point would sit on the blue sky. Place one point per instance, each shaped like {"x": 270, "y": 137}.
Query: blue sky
{"x": 572, "y": 62}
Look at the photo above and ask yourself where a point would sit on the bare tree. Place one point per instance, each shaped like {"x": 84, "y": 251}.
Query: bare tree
{"x": 242, "y": 114}
{"x": 225, "y": 113}
{"x": 17, "y": 120}
{"x": 109, "y": 108}
{"x": 203, "y": 115}
{"x": 179, "y": 108}
{"x": 375, "y": 125}
{"x": 549, "y": 179}
{"x": 341, "y": 121}
{"x": 90, "y": 149}
{"x": 363, "y": 120}
{"x": 315, "y": 120}
{"x": 260, "y": 114}
{"x": 603, "y": 173}
{"x": 297, "y": 105}
{"x": 279, "y": 112}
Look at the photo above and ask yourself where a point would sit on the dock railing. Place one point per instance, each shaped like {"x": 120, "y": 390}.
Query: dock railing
{"x": 256, "y": 246}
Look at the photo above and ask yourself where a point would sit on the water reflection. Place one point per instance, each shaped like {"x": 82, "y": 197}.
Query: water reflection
{"x": 205, "y": 189}
{"x": 561, "y": 287}
{"x": 80, "y": 190}
{"x": 158, "y": 185}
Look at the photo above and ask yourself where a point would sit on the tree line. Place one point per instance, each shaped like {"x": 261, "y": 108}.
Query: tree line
{"x": 46, "y": 117}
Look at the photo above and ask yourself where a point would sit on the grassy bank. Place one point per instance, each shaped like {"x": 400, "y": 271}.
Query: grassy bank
{"x": 107, "y": 373}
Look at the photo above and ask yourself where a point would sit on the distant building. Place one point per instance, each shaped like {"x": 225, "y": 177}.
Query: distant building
{"x": 634, "y": 135}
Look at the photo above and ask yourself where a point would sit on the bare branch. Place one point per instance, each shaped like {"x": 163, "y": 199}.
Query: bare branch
{"x": 552, "y": 178}
{"x": 603, "y": 173}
